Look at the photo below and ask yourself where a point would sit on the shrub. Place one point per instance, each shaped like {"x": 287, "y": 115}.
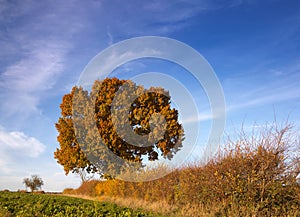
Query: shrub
{"x": 252, "y": 176}
{"x": 69, "y": 191}
{"x": 87, "y": 188}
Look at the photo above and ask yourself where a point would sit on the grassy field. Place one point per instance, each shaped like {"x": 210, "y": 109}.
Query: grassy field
{"x": 28, "y": 204}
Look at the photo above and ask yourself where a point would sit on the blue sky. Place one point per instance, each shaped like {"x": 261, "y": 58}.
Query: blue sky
{"x": 253, "y": 47}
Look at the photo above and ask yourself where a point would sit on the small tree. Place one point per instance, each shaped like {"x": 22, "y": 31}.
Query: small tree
{"x": 34, "y": 183}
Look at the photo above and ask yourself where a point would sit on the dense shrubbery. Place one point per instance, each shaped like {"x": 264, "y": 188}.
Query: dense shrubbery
{"x": 88, "y": 188}
{"x": 253, "y": 176}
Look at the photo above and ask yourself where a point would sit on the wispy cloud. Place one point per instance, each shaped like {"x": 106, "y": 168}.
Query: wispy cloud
{"x": 154, "y": 17}
{"x": 165, "y": 17}
{"x": 200, "y": 117}
{"x": 35, "y": 52}
{"x": 24, "y": 82}
{"x": 278, "y": 87}
{"x": 110, "y": 37}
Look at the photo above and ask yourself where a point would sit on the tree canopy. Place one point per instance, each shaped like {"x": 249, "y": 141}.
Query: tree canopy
{"x": 119, "y": 117}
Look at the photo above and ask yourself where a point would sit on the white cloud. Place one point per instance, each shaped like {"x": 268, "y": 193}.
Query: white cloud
{"x": 18, "y": 143}
{"x": 15, "y": 149}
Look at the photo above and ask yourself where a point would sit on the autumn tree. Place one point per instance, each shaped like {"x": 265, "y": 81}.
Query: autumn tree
{"x": 34, "y": 183}
{"x": 70, "y": 155}
{"x": 117, "y": 123}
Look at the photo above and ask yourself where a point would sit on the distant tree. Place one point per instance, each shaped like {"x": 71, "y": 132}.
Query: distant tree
{"x": 136, "y": 104}
{"x": 34, "y": 183}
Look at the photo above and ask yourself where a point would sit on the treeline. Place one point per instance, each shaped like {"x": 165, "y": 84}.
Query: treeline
{"x": 254, "y": 175}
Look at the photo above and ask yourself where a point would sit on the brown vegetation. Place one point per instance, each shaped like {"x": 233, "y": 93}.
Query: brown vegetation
{"x": 253, "y": 176}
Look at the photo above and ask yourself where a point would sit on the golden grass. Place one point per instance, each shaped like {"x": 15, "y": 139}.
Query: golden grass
{"x": 134, "y": 203}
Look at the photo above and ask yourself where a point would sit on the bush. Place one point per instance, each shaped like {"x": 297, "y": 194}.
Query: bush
{"x": 87, "y": 188}
{"x": 252, "y": 176}
{"x": 69, "y": 191}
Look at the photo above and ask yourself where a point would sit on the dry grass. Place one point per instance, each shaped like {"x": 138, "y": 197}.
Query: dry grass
{"x": 134, "y": 203}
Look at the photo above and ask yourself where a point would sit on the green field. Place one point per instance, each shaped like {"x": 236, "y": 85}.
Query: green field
{"x": 27, "y": 204}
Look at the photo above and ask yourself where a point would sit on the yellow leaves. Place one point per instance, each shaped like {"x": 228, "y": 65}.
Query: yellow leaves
{"x": 216, "y": 173}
